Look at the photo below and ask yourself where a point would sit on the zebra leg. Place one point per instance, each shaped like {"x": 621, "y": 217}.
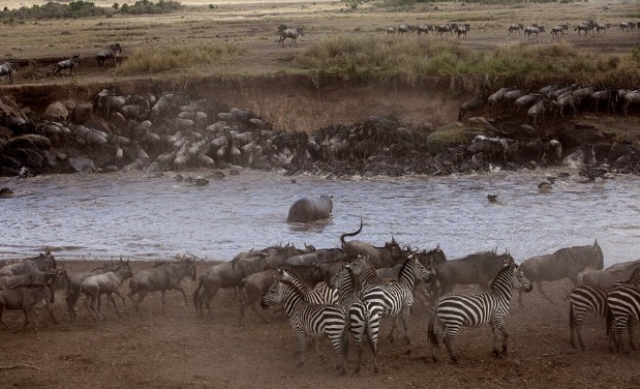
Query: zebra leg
{"x": 433, "y": 336}
{"x": 372, "y": 328}
{"x": 302, "y": 345}
{"x": 448, "y": 342}
{"x": 337, "y": 342}
{"x": 392, "y": 337}
{"x": 630, "y": 331}
{"x": 505, "y": 340}
{"x": 163, "y": 299}
{"x": 405, "y": 323}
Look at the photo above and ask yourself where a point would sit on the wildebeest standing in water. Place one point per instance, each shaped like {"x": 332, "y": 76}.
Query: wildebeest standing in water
{"x": 567, "y": 262}
{"x": 110, "y": 52}
{"x": 66, "y": 64}
{"x": 7, "y": 69}
{"x": 307, "y": 210}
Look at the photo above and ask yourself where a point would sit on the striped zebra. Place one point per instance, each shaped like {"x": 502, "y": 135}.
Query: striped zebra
{"x": 582, "y": 300}
{"x": 321, "y": 294}
{"x": 587, "y": 298}
{"x": 453, "y": 312}
{"x": 316, "y": 320}
{"x": 394, "y": 298}
{"x": 359, "y": 314}
{"x": 624, "y": 305}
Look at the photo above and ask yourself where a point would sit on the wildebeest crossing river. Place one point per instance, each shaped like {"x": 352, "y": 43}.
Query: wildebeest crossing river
{"x": 157, "y": 218}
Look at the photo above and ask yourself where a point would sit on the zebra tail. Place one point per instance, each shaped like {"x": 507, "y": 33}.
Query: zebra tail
{"x": 345, "y": 340}
{"x": 433, "y": 339}
{"x": 609, "y": 315}
{"x": 571, "y": 318}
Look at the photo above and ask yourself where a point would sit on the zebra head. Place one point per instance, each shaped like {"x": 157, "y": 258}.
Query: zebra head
{"x": 421, "y": 272}
{"x": 520, "y": 282}
{"x": 273, "y": 295}
{"x": 338, "y": 279}
{"x": 359, "y": 265}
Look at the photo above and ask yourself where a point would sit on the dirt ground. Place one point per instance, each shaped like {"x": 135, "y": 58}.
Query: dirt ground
{"x": 179, "y": 350}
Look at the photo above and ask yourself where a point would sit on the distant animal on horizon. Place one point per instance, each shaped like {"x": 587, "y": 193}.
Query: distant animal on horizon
{"x": 7, "y": 69}
{"x": 291, "y": 33}
{"x": 66, "y": 64}
{"x": 110, "y": 52}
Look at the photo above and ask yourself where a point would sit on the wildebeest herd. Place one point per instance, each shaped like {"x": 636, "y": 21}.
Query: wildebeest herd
{"x": 348, "y": 290}
{"x": 70, "y": 64}
{"x": 557, "y": 99}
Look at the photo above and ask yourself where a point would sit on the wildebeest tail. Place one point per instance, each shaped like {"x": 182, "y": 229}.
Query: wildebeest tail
{"x": 350, "y": 233}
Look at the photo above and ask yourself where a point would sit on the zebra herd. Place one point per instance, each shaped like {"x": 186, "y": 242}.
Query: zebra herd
{"x": 355, "y": 298}
{"x": 619, "y": 303}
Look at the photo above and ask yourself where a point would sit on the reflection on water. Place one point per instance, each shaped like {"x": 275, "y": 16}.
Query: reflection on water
{"x": 110, "y": 215}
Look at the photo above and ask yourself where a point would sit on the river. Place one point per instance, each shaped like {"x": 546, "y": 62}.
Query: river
{"x": 94, "y": 215}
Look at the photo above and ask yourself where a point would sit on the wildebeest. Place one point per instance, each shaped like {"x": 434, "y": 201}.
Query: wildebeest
{"x": 160, "y": 278}
{"x": 403, "y": 28}
{"x": 380, "y": 257}
{"x": 7, "y": 69}
{"x": 25, "y": 299}
{"x": 476, "y": 103}
{"x": 391, "y": 30}
{"x": 528, "y": 31}
{"x": 107, "y": 283}
{"x": 33, "y": 278}
{"x": 306, "y": 210}
{"x": 497, "y": 97}
{"x": 291, "y": 33}
{"x": 539, "y": 108}
{"x": 74, "y": 285}
{"x": 226, "y": 275}
{"x": 110, "y": 52}
{"x": 566, "y": 262}
{"x": 70, "y": 64}
{"x": 628, "y": 99}
{"x": 42, "y": 262}
{"x": 517, "y": 27}
{"x": 479, "y": 268}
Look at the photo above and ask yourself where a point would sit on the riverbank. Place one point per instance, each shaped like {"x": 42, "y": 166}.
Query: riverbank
{"x": 177, "y": 349}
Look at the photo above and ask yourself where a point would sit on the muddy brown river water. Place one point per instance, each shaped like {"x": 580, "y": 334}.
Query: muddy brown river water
{"x": 157, "y": 218}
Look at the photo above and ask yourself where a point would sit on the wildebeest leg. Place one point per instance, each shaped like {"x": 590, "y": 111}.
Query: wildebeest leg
{"x": 48, "y": 308}
{"x": 539, "y": 285}
{"x": 88, "y": 303}
{"x": 71, "y": 302}
{"x": 113, "y": 301}
{"x": 141, "y": 295}
{"x": 2, "y": 322}
{"x": 184, "y": 294}
{"x": 124, "y": 302}
{"x": 210, "y": 295}
{"x": 163, "y": 293}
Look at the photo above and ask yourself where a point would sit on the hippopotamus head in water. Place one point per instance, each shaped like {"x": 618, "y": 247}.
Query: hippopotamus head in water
{"x": 306, "y": 210}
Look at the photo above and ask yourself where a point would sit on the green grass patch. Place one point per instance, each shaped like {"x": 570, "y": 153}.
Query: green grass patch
{"x": 412, "y": 59}
{"x": 190, "y": 57}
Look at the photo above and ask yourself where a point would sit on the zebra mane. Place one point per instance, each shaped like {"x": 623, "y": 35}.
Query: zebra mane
{"x": 292, "y": 285}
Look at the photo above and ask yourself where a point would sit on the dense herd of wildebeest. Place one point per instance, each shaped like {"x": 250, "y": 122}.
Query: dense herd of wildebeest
{"x": 345, "y": 292}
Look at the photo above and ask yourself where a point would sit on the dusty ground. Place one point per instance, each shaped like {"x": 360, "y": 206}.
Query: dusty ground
{"x": 179, "y": 350}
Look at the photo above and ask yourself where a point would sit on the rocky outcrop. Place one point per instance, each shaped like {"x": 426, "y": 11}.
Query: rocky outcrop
{"x": 173, "y": 132}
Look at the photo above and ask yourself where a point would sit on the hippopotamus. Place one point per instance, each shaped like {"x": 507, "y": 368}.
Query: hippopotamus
{"x": 306, "y": 210}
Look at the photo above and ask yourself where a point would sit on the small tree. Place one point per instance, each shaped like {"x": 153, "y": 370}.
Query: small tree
{"x": 115, "y": 6}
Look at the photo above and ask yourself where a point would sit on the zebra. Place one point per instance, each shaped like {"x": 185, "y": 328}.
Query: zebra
{"x": 393, "y": 298}
{"x": 359, "y": 314}
{"x": 322, "y": 294}
{"x": 624, "y": 304}
{"x": 316, "y": 320}
{"x": 453, "y": 312}
{"x": 584, "y": 299}
{"x": 587, "y": 298}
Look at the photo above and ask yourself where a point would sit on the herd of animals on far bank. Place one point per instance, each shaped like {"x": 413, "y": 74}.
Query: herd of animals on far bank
{"x": 343, "y": 293}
